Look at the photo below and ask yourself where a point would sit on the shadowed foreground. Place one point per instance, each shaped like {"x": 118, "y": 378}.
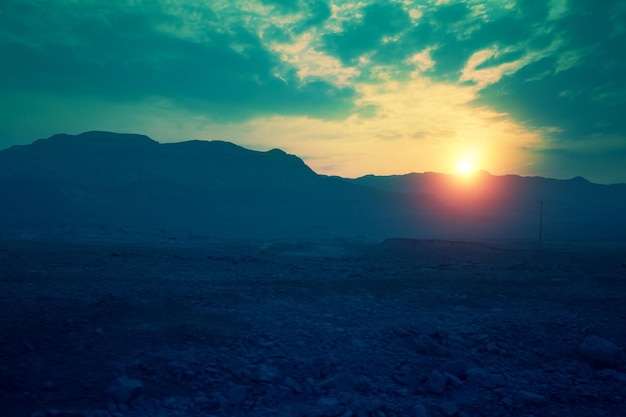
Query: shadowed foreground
{"x": 326, "y": 328}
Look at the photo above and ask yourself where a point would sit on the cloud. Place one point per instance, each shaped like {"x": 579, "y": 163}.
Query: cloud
{"x": 578, "y": 88}
{"x": 285, "y": 6}
{"x": 374, "y": 23}
{"x": 220, "y": 68}
{"x": 336, "y": 76}
{"x": 482, "y": 75}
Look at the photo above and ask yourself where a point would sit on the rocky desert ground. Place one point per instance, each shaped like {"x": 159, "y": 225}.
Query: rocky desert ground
{"x": 208, "y": 327}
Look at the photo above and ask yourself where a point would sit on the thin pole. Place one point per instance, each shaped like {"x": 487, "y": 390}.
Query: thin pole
{"x": 540, "y": 223}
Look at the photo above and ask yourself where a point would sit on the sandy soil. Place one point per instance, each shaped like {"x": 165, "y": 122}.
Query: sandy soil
{"x": 326, "y": 328}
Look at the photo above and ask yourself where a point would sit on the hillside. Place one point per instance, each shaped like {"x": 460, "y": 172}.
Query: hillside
{"x": 110, "y": 180}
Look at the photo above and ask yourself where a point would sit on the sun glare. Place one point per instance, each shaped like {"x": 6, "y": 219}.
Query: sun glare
{"x": 465, "y": 167}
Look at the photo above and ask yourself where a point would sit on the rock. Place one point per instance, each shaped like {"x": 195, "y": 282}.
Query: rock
{"x": 201, "y": 400}
{"x": 508, "y": 402}
{"x": 327, "y": 384}
{"x": 293, "y": 385}
{"x": 580, "y": 370}
{"x": 611, "y": 375}
{"x": 456, "y": 367}
{"x": 600, "y": 353}
{"x": 427, "y": 328}
{"x": 124, "y": 390}
{"x": 453, "y": 380}
{"x": 358, "y": 343}
{"x": 493, "y": 348}
{"x": 362, "y": 384}
{"x": 237, "y": 394}
{"x": 420, "y": 411}
{"x": 532, "y": 398}
{"x": 449, "y": 409}
{"x": 344, "y": 381}
{"x": 328, "y": 402}
{"x": 485, "y": 379}
{"x": 427, "y": 346}
{"x": 402, "y": 332}
{"x": 268, "y": 373}
{"x": 404, "y": 375}
{"x": 326, "y": 407}
{"x": 436, "y": 382}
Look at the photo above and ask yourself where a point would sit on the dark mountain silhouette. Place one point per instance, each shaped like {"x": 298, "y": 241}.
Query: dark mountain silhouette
{"x": 218, "y": 188}
{"x": 131, "y": 181}
{"x": 484, "y": 185}
{"x": 487, "y": 205}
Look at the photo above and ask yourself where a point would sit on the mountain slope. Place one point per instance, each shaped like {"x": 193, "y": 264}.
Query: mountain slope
{"x": 214, "y": 187}
{"x": 218, "y": 188}
{"x": 102, "y": 159}
{"x": 512, "y": 205}
{"x": 485, "y": 185}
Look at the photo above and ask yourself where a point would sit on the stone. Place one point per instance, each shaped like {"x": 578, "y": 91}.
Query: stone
{"x": 485, "y": 379}
{"x": 293, "y": 385}
{"x": 326, "y": 407}
{"x": 611, "y": 375}
{"x": 427, "y": 346}
{"x": 420, "y": 411}
{"x": 453, "y": 380}
{"x": 404, "y": 375}
{"x": 436, "y": 382}
{"x": 344, "y": 381}
{"x": 124, "y": 390}
{"x": 456, "y": 367}
{"x": 427, "y": 328}
{"x": 358, "y": 343}
{"x": 449, "y": 409}
{"x": 362, "y": 384}
{"x": 508, "y": 402}
{"x": 532, "y": 398}
{"x": 268, "y": 373}
{"x": 600, "y": 353}
{"x": 201, "y": 399}
{"x": 493, "y": 348}
{"x": 237, "y": 394}
{"x": 328, "y": 402}
{"x": 581, "y": 370}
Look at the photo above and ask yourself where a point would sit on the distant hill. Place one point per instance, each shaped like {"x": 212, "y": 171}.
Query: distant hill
{"x": 130, "y": 182}
{"x": 487, "y": 205}
{"x": 485, "y": 186}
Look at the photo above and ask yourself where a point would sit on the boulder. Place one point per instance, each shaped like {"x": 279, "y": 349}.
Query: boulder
{"x": 124, "y": 390}
{"x": 600, "y": 353}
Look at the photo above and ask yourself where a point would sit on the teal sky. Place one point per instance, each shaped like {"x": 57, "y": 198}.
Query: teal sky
{"x": 530, "y": 87}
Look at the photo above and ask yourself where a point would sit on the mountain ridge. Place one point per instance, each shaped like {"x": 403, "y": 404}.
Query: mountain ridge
{"x": 222, "y": 188}
{"x": 99, "y": 138}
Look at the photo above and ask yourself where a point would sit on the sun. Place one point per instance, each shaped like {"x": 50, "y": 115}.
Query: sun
{"x": 465, "y": 166}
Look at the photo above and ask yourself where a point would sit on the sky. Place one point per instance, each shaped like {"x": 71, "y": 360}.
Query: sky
{"x": 353, "y": 87}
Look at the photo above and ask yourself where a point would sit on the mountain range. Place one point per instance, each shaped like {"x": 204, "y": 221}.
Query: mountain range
{"x": 217, "y": 188}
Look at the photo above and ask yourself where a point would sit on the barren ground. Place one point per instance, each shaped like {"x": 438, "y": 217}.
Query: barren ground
{"x": 333, "y": 328}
